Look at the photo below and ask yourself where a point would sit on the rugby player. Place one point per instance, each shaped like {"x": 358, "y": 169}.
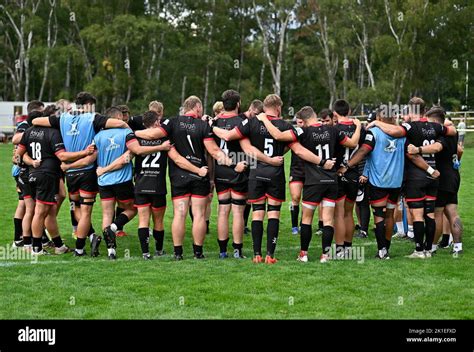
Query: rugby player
{"x": 78, "y": 129}
{"x": 421, "y": 185}
{"x": 448, "y": 154}
{"x": 191, "y": 137}
{"x": 269, "y": 134}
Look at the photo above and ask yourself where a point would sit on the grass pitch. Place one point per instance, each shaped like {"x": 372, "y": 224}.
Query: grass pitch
{"x": 63, "y": 287}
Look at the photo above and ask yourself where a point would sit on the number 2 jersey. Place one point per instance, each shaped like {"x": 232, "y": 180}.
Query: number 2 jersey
{"x": 150, "y": 170}
{"x": 232, "y": 149}
{"x": 421, "y": 133}
{"x": 323, "y": 141}
{"x": 43, "y": 144}
{"x": 261, "y": 139}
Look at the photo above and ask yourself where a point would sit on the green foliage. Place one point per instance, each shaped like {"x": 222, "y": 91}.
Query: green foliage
{"x": 132, "y": 51}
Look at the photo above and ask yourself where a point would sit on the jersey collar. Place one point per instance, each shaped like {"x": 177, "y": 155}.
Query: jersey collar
{"x": 350, "y": 122}
{"x": 272, "y": 117}
{"x": 318, "y": 124}
{"x": 227, "y": 115}
{"x": 423, "y": 119}
{"x": 191, "y": 114}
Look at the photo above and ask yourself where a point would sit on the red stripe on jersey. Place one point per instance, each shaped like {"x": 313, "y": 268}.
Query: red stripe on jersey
{"x": 60, "y": 151}
{"x": 350, "y": 122}
{"x": 367, "y": 146}
{"x": 191, "y": 114}
{"x": 238, "y": 131}
{"x": 295, "y": 138}
{"x": 423, "y": 119}
{"x": 131, "y": 140}
{"x": 227, "y": 116}
{"x": 21, "y": 146}
{"x": 207, "y": 139}
{"x": 344, "y": 140}
{"x": 164, "y": 131}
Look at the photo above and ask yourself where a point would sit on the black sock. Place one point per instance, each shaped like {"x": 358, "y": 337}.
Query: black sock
{"x": 58, "y": 242}
{"x": 273, "y": 227}
{"x": 247, "y": 210}
{"x": 320, "y": 225}
{"x": 191, "y": 213}
{"x": 347, "y": 244}
{"x": 37, "y": 245}
{"x": 18, "y": 228}
{"x": 80, "y": 243}
{"x": 238, "y": 246}
{"x": 197, "y": 250}
{"x": 364, "y": 211}
{"x": 73, "y": 217}
{"x": 388, "y": 243}
{"x": 339, "y": 248}
{"x": 159, "y": 236}
{"x": 328, "y": 234}
{"x": 178, "y": 250}
{"x": 380, "y": 235}
{"x": 223, "y": 245}
{"x": 44, "y": 237}
{"x": 419, "y": 232}
{"x": 445, "y": 240}
{"x": 119, "y": 211}
{"x": 295, "y": 212}
{"x": 430, "y": 229}
{"x": 91, "y": 231}
{"x": 207, "y": 226}
{"x": 144, "y": 237}
{"x": 257, "y": 236}
{"x": 27, "y": 240}
{"x": 121, "y": 220}
{"x": 306, "y": 234}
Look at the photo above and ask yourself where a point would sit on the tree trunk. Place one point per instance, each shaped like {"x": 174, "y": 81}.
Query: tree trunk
{"x": 48, "y": 50}
{"x": 183, "y": 90}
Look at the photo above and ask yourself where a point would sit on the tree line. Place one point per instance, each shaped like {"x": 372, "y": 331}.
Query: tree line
{"x": 307, "y": 51}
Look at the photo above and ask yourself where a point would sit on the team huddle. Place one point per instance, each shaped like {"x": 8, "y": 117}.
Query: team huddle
{"x": 337, "y": 165}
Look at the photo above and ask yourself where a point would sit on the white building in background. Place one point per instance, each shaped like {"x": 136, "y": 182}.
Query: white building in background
{"x": 8, "y": 112}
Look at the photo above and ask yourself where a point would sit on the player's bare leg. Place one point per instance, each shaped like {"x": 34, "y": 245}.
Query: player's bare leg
{"x": 348, "y": 222}
{"x": 417, "y": 214}
{"x": 295, "y": 191}
{"x": 159, "y": 229}
{"x": 238, "y": 225}
{"x": 451, "y": 211}
{"x": 178, "y": 226}
{"x": 328, "y": 215}
{"x": 225, "y": 205}
{"x": 17, "y": 222}
{"x": 258, "y": 214}
{"x": 26, "y": 223}
{"x": 273, "y": 227}
{"x": 199, "y": 225}
{"x": 84, "y": 223}
{"x": 37, "y": 226}
{"x": 306, "y": 231}
{"x": 339, "y": 226}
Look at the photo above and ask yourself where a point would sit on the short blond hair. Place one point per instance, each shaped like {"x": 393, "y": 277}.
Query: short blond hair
{"x": 156, "y": 106}
{"x": 191, "y": 102}
{"x": 272, "y": 101}
{"x": 218, "y": 107}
